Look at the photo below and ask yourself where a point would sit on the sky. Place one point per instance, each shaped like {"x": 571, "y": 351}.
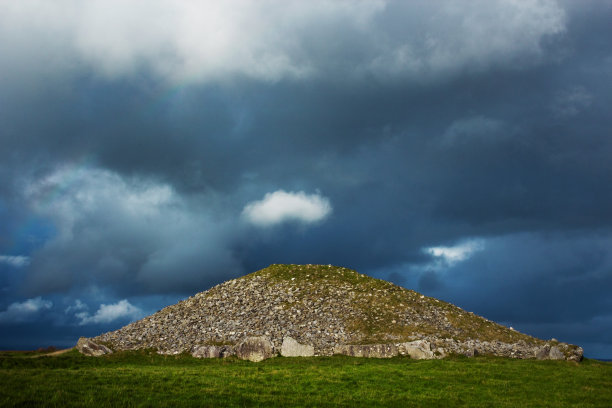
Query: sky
{"x": 150, "y": 150}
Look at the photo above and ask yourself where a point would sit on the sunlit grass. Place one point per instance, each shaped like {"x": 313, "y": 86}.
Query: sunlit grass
{"x": 147, "y": 379}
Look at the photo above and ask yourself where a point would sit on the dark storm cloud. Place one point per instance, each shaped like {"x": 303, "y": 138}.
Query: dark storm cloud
{"x": 544, "y": 277}
{"x": 126, "y": 164}
{"x": 132, "y": 234}
{"x": 532, "y": 282}
{"x": 181, "y": 41}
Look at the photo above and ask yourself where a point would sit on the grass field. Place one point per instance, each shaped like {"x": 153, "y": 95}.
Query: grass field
{"x": 147, "y": 379}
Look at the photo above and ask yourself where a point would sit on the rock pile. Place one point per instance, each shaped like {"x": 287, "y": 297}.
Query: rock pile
{"x": 304, "y": 310}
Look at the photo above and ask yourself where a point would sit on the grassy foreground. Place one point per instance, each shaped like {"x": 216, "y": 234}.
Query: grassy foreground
{"x": 147, "y": 379}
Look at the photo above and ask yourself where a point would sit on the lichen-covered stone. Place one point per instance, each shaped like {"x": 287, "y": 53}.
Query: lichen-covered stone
{"x": 556, "y": 354}
{"x": 560, "y": 351}
{"x": 90, "y": 348}
{"x": 213, "y": 351}
{"x": 541, "y": 353}
{"x": 367, "y": 350}
{"x": 575, "y": 354}
{"x": 291, "y": 348}
{"x": 418, "y": 349}
{"x": 255, "y": 349}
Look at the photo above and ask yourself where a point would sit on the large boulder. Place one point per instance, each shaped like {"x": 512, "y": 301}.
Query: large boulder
{"x": 255, "y": 349}
{"x": 576, "y": 354}
{"x": 367, "y": 350}
{"x": 89, "y": 348}
{"x": 555, "y": 354}
{"x": 291, "y": 348}
{"x": 212, "y": 351}
{"x": 541, "y": 353}
{"x": 418, "y": 350}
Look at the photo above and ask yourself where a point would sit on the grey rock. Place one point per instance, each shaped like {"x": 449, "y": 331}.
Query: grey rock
{"x": 561, "y": 351}
{"x": 291, "y": 348}
{"x": 556, "y": 354}
{"x": 367, "y": 350}
{"x": 542, "y": 352}
{"x": 89, "y": 348}
{"x": 576, "y": 354}
{"x": 212, "y": 351}
{"x": 255, "y": 349}
{"x": 418, "y": 350}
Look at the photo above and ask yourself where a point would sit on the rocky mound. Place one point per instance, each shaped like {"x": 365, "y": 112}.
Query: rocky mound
{"x": 324, "y": 310}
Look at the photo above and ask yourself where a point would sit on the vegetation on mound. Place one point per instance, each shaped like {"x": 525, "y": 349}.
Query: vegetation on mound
{"x": 144, "y": 378}
{"x": 384, "y": 305}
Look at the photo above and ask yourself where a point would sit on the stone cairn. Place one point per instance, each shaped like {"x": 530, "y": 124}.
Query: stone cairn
{"x": 315, "y": 310}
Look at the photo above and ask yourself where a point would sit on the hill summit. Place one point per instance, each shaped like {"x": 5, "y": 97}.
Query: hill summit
{"x": 324, "y": 310}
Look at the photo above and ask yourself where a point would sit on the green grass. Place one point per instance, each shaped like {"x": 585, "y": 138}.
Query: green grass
{"x": 146, "y": 379}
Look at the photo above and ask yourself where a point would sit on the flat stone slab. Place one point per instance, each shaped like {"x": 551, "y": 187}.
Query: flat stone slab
{"x": 291, "y": 348}
{"x": 367, "y": 350}
{"x": 418, "y": 350}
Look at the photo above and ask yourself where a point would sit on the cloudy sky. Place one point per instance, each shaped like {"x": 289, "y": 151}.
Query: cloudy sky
{"x": 152, "y": 149}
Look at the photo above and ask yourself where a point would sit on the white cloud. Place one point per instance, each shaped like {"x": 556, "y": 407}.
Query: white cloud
{"x": 15, "y": 261}
{"x": 184, "y": 40}
{"x": 112, "y": 229}
{"x": 26, "y": 310}
{"x": 70, "y": 194}
{"x": 108, "y": 313}
{"x": 281, "y": 206}
{"x": 77, "y": 307}
{"x": 458, "y": 253}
